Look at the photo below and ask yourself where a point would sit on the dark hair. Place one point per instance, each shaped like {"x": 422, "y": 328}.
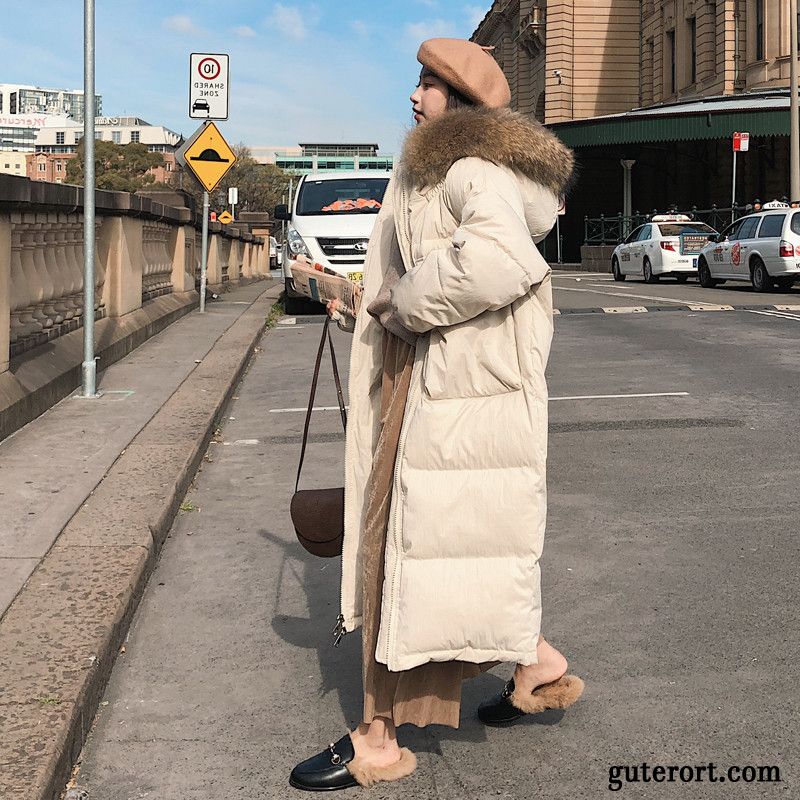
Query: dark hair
{"x": 455, "y": 99}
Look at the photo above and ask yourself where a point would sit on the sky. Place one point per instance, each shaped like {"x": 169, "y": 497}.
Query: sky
{"x": 299, "y": 71}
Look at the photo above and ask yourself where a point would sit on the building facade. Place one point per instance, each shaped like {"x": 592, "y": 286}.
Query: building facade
{"x": 307, "y": 159}
{"x": 13, "y": 163}
{"x": 18, "y": 99}
{"x": 57, "y": 142}
{"x": 649, "y": 94}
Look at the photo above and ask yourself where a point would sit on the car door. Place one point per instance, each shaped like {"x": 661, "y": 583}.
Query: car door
{"x": 768, "y": 243}
{"x": 719, "y": 261}
{"x": 741, "y": 247}
{"x": 638, "y": 249}
{"x": 625, "y": 252}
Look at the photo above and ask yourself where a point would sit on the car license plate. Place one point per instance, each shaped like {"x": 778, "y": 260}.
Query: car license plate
{"x": 694, "y": 263}
{"x": 356, "y": 277}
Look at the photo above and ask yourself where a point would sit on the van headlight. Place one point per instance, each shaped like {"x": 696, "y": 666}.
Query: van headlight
{"x": 296, "y": 244}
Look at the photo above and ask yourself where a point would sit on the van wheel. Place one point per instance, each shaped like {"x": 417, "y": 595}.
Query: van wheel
{"x": 615, "y": 271}
{"x": 761, "y": 279}
{"x": 647, "y": 271}
{"x": 704, "y": 275}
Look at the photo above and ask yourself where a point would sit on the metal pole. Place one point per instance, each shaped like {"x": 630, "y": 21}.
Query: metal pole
{"x": 558, "y": 235}
{"x": 794, "y": 127}
{"x": 733, "y": 189}
{"x": 204, "y": 255}
{"x": 89, "y": 366}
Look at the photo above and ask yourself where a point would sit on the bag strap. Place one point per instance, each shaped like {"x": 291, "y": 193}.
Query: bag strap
{"x": 326, "y": 334}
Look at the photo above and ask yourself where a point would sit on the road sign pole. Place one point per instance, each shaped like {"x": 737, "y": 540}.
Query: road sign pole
{"x": 794, "y": 122}
{"x": 204, "y": 255}
{"x": 733, "y": 189}
{"x": 89, "y": 366}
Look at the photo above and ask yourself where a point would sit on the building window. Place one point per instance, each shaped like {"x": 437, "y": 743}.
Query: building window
{"x": 693, "y": 47}
{"x": 59, "y": 166}
{"x": 12, "y": 103}
{"x": 116, "y": 136}
{"x": 60, "y": 137}
{"x": 42, "y": 166}
{"x": 759, "y": 30}
{"x": 671, "y": 64}
{"x": 134, "y": 136}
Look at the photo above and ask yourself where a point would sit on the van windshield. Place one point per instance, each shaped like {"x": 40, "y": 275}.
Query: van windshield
{"x": 345, "y": 196}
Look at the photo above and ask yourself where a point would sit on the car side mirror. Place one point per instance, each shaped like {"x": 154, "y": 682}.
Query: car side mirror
{"x": 282, "y": 213}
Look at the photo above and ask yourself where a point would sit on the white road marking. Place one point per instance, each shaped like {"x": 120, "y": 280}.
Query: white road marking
{"x": 777, "y": 315}
{"x": 304, "y": 408}
{"x": 643, "y": 296}
{"x": 552, "y": 400}
{"x": 619, "y": 396}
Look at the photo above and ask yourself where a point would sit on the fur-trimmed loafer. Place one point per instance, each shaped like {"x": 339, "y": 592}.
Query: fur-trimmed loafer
{"x": 510, "y": 705}
{"x": 338, "y": 767}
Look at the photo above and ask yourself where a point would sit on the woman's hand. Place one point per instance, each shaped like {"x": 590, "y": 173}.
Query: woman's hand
{"x": 334, "y": 308}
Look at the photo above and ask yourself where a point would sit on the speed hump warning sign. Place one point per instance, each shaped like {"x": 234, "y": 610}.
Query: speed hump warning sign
{"x": 208, "y": 156}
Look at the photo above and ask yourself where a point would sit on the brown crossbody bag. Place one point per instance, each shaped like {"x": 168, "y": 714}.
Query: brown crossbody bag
{"x": 318, "y": 514}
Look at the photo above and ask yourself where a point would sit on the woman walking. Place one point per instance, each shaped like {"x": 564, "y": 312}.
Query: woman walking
{"x": 445, "y": 495}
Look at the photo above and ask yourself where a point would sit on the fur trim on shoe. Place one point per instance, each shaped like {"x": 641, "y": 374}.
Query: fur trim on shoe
{"x": 504, "y": 137}
{"x": 368, "y": 774}
{"x": 558, "y": 694}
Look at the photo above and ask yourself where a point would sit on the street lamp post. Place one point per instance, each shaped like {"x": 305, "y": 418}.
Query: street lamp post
{"x": 794, "y": 126}
{"x": 89, "y": 366}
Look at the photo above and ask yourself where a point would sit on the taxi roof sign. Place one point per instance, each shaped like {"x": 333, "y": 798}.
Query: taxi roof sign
{"x": 208, "y": 156}
{"x": 775, "y": 204}
{"x": 670, "y": 218}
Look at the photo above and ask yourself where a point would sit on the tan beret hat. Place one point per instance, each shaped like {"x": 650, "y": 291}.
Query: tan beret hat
{"x": 468, "y": 68}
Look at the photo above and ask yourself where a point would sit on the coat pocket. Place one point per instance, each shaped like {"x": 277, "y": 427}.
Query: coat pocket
{"x": 477, "y": 358}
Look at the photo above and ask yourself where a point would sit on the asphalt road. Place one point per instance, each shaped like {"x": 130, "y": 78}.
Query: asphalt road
{"x": 669, "y": 581}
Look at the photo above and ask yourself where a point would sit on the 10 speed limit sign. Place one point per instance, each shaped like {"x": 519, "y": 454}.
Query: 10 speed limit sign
{"x": 208, "y": 86}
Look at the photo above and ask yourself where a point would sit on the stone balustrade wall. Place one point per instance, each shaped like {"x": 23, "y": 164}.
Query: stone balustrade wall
{"x": 143, "y": 250}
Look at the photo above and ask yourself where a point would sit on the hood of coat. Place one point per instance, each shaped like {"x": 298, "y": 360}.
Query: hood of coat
{"x": 501, "y": 136}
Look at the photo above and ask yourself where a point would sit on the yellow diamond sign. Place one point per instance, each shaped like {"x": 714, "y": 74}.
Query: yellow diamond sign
{"x": 209, "y": 157}
{"x": 225, "y": 218}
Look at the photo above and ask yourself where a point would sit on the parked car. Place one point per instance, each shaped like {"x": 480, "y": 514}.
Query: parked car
{"x": 331, "y": 220}
{"x": 668, "y": 245}
{"x": 762, "y": 248}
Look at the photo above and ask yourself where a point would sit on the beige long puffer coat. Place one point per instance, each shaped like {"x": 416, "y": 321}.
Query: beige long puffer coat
{"x": 475, "y": 190}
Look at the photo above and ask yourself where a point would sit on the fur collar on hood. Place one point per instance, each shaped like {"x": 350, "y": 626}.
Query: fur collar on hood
{"x": 504, "y": 137}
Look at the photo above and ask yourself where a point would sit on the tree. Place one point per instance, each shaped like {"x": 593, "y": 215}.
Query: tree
{"x": 120, "y": 167}
{"x": 261, "y": 186}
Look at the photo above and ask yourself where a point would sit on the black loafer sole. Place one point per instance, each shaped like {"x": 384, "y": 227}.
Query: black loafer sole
{"x": 294, "y": 784}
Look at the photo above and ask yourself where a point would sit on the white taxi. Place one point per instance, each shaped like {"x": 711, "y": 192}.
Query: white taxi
{"x": 762, "y": 248}
{"x": 668, "y": 244}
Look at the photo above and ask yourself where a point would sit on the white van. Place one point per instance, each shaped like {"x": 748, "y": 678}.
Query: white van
{"x": 331, "y": 221}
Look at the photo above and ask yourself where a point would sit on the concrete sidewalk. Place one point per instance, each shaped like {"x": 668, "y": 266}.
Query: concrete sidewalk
{"x": 88, "y": 492}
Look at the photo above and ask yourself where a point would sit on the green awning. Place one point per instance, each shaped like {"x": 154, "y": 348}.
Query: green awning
{"x": 635, "y": 129}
